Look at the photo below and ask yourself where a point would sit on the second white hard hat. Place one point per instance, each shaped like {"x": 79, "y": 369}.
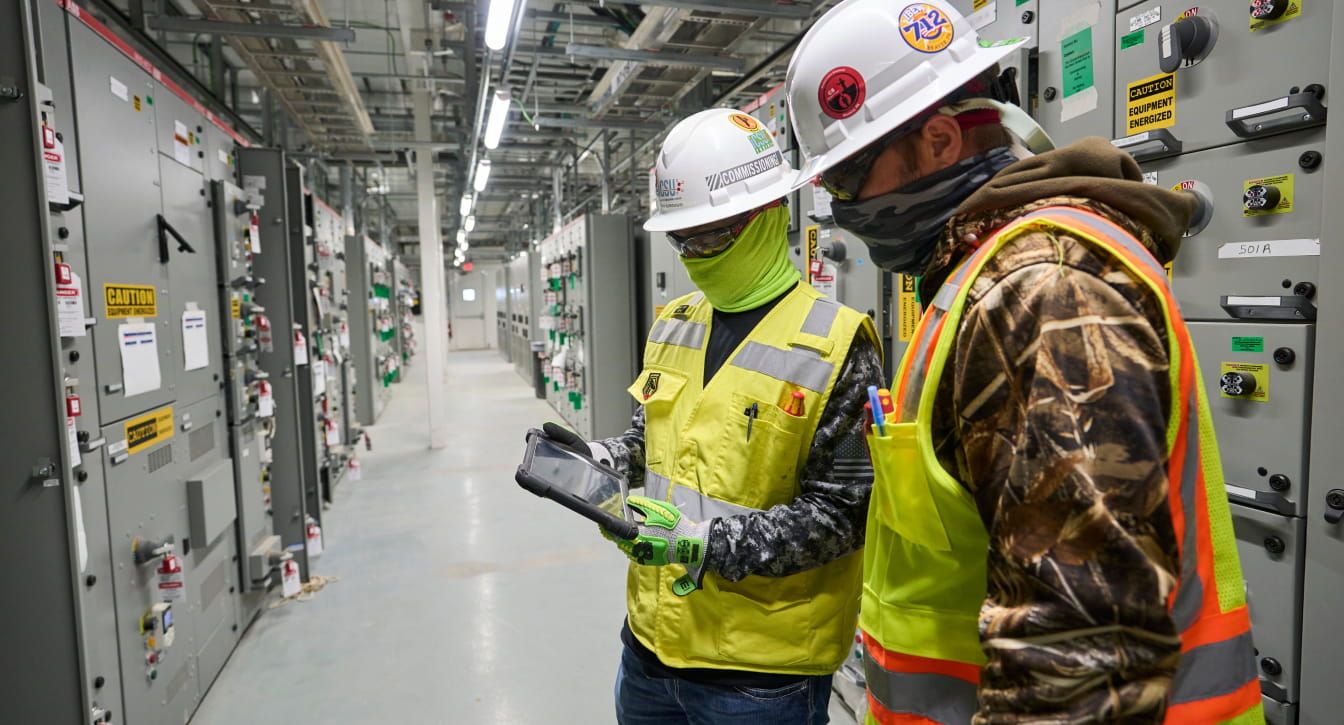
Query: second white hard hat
{"x": 867, "y": 66}
{"x": 715, "y": 165}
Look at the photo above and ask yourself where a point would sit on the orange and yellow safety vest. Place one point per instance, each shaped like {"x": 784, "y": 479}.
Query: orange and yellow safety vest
{"x": 926, "y": 554}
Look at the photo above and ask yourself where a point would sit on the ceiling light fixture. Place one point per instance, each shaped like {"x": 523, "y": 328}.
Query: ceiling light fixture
{"x": 470, "y": 223}
{"x": 499, "y": 113}
{"x": 482, "y": 175}
{"x": 497, "y": 24}
{"x": 465, "y": 208}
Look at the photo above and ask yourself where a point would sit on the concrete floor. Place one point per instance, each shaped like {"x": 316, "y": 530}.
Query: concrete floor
{"x": 462, "y": 598}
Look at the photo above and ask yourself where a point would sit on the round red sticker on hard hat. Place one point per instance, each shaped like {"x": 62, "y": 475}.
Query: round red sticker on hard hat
{"x": 841, "y": 92}
{"x": 745, "y": 122}
{"x": 926, "y": 28}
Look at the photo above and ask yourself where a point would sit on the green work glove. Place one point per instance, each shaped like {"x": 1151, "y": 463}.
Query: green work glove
{"x": 665, "y": 537}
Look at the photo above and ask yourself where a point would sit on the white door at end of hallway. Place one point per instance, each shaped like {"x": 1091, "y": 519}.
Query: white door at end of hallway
{"x": 466, "y": 309}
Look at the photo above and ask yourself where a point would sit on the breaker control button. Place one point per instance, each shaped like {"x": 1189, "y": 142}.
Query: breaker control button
{"x": 73, "y": 409}
{"x": 1238, "y": 385}
{"x": 1185, "y": 41}
{"x": 1261, "y": 198}
{"x": 1268, "y": 9}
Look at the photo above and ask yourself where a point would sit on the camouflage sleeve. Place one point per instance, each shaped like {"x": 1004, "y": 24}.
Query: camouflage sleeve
{"x": 627, "y": 450}
{"x": 1063, "y": 398}
{"x": 826, "y": 521}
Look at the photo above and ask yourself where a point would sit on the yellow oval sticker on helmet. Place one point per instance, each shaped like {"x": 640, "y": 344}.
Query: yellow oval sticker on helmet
{"x": 745, "y": 122}
{"x": 926, "y": 28}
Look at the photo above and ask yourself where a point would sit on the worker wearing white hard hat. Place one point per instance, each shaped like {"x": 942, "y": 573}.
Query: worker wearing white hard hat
{"x": 743, "y": 586}
{"x": 1040, "y": 546}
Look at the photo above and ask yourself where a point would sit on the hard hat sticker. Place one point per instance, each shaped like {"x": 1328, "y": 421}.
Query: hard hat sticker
{"x": 841, "y": 92}
{"x": 745, "y": 122}
{"x": 926, "y": 28}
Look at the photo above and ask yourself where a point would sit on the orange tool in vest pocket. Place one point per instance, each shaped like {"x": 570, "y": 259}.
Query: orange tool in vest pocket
{"x": 791, "y": 402}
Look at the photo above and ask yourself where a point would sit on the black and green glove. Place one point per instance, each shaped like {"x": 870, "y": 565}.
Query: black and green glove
{"x": 666, "y": 537}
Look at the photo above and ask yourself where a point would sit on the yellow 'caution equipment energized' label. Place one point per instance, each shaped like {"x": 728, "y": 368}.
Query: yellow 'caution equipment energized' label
{"x": 907, "y": 308}
{"x": 149, "y": 429}
{"x": 1150, "y": 103}
{"x": 130, "y": 300}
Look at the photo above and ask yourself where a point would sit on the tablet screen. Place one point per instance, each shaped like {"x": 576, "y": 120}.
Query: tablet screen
{"x": 571, "y": 473}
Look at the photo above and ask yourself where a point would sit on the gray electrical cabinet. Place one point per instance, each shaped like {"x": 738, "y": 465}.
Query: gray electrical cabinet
{"x": 587, "y": 275}
{"x": 1237, "y": 120}
{"x": 369, "y": 280}
{"x": 404, "y": 341}
{"x": 49, "y": 651}
{"x": 1243, "y": 82}
{"x": 522, "y": 282}
{"x": 247, "y": 332}
{"x": 331, "y": 367}
{"x": 292, "y": 477}
{"x": 134, "y": 503}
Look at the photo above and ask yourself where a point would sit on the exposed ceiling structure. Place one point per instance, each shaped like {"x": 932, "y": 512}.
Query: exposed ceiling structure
{"x": 593, "y": 86}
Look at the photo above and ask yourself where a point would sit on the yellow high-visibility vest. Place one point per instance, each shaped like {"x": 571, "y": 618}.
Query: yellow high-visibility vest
{"x": 699, "y": 457}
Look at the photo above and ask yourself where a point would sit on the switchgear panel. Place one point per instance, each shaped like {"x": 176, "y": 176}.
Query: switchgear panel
{"x": 292, "y": 470}
{"x": 1189, "y": 77}
{"x": 371, "y": 329}
{"x": 1243, "y": 259}
{"x": 589, "y": 323}
{"x": 522, "y": 285}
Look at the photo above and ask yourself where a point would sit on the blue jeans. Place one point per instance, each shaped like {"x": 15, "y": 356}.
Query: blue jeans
{"x": 645, "y": 700}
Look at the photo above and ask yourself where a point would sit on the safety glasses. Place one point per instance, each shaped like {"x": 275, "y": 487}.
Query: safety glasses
{"x": 710, "y": 242}
{"x": 844, "y": 180}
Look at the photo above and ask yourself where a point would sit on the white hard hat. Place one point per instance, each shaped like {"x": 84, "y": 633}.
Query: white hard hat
{"x": 867, "y": 66}
{"x": 715, "y": 165}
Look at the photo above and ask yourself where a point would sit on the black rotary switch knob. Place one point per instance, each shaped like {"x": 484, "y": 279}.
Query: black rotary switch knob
{"x": 1268, "y": 9}
{"x": 1184, "y": 41}
{"x": 1275, "y": 545}
{"x": 1261, "y": 198}
{"x": 1237, "y": 384}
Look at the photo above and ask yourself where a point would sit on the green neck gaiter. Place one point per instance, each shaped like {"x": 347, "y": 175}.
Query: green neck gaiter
{"x": 751, "y": 272}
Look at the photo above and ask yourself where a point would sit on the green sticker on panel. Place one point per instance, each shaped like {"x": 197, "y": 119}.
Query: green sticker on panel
{"x": 1023, "y": 2}
{"x": 1131, "y": 40}
{"x": 1248, "y": 344}
{"x": 1077, "y": 52}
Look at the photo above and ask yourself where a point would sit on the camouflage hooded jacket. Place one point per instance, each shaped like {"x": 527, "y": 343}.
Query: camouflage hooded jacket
{"x": 1053, "y": 415}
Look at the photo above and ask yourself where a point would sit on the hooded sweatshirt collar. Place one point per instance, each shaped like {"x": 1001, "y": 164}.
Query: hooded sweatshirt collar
{"x": 1091, "y": 170}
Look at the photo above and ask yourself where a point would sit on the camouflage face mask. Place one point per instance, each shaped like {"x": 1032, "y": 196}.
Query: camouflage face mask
{"x": 901, "y": 228}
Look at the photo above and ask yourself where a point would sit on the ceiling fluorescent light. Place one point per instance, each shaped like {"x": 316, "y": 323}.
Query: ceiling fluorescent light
{"x": 482, "y": 175}
{"x": 499, "y": 113}
{"x": 498, "y": 23}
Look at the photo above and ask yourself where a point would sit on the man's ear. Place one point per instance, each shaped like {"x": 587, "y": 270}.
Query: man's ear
{"x": 941, "y": 146}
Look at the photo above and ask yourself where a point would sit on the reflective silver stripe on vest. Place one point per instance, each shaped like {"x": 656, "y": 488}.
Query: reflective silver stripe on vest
{"x": 792, "y": 366}
{"x": 821, "y": 317}
{"x": 941, "y": 698}
{"x": 682, "y": 333}
{"x": 693, "y": 505}
{"x": 1215, "y": 669}
{"x": 1185, "y": 610}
